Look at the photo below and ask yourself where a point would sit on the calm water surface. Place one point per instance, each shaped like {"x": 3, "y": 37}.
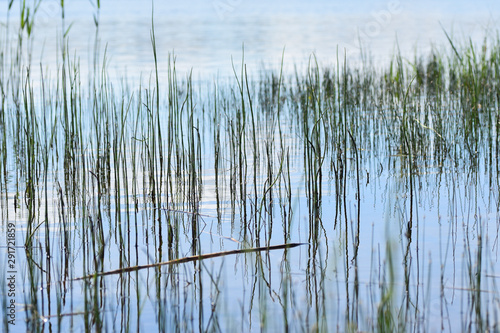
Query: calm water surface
{"x": 206, "y": 36}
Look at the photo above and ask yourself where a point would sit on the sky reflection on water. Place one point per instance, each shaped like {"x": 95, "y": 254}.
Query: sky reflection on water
{"x": 205, "y": 35}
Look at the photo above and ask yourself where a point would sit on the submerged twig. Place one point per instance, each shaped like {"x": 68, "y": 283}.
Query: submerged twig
{"x": 192, "y": 258}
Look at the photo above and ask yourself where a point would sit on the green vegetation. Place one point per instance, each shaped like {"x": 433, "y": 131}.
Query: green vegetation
{"x": 390, "y": 174}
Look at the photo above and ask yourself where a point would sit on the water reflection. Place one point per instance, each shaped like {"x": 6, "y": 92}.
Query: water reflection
{"x": 206, "y": 34}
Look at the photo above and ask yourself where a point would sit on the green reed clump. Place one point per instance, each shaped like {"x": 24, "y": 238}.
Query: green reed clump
{"x": 315, "y": 137}
{"x": 473, "y": 80}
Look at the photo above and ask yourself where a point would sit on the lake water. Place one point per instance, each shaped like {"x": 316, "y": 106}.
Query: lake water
{"x": 206, "y": 35}
{"x": 363, "y": 260}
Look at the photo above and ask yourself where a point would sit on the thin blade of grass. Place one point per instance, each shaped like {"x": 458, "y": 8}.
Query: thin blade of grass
{"x": 451, "y": 43}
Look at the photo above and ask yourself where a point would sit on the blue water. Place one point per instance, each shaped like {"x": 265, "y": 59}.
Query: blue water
{"x": 206, "y": 35}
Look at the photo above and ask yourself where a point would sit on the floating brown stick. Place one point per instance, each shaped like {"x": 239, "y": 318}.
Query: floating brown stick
{"x": 193, "y": 258}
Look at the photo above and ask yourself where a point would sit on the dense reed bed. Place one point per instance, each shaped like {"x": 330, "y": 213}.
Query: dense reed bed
{"x": 386, "y": 174}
